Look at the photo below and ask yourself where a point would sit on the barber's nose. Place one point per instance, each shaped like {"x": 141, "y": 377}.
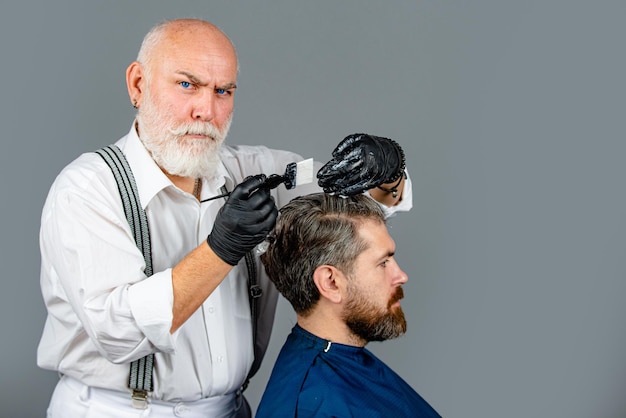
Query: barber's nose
{"x": 204, "y": 108}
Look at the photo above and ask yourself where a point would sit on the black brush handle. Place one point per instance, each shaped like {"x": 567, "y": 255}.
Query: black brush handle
{"x": 272, "y": 182}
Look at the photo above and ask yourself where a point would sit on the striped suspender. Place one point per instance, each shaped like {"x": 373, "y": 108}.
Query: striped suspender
{"x": 140, "y": 379}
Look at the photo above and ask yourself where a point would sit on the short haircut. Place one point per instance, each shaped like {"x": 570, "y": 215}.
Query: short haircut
{"x": 311, "y": 231}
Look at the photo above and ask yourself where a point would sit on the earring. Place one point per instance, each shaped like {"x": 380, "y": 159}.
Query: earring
{"x": 135, "y": 104}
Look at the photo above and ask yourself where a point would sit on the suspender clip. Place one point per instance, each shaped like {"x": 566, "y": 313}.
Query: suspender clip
{"x": 140, "y": 399}
{"x": 256, "y": 291}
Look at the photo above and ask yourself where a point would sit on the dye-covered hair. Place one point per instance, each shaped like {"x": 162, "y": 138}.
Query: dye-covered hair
{"x": 314, "y": 230}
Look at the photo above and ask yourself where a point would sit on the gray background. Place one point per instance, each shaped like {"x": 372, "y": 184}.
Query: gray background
{"x": 512, "y": 117}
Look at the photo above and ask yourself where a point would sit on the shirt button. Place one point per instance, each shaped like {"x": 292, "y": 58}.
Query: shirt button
{"x": 180, "y": 409}
{"x": 211, "y": 309}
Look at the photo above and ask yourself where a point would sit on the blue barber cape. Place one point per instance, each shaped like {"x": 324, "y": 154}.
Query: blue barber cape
{"x": 313, "y": 377}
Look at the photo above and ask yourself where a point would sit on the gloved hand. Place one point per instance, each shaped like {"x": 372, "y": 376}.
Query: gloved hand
{"x": 361, "y": 162}
{"x": 244, "y": 221}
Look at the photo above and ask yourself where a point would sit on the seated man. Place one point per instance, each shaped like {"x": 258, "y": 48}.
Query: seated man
{"x": 332, "y": 259}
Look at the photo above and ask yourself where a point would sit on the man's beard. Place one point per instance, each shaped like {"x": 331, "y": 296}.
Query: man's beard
{"x": 176, "y": 154}
{"x": 371, "y": 322}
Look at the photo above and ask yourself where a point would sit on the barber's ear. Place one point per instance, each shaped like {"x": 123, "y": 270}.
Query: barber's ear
{"x": 329, "y": 282}
{"x": 135, "y": 79}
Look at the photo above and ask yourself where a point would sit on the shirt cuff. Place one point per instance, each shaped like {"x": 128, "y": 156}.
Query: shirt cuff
{"x": 151, "y": 302}
{"x": 405, "y": 204}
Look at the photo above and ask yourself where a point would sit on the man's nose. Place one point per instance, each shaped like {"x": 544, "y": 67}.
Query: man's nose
{"x": 204, "y": 108}
{"x": 402, "y": 277}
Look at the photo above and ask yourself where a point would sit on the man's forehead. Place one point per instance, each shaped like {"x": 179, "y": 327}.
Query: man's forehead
{"x": 376, "y": 236}
{"x": 193, "y": 50}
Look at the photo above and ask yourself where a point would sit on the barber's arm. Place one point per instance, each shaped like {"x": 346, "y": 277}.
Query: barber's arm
{"x": 243, "y": 222}
{"x": 363, "y": 162}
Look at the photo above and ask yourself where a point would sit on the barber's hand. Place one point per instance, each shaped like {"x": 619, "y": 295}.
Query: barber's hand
{"x": 361, "y": 162}
{"x": 244, "y": 221}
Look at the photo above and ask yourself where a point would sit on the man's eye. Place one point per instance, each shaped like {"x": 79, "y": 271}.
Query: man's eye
{"x": 185, "y": 84}
{"x": 384, "y": 263}
{"x": 221, "y": 91}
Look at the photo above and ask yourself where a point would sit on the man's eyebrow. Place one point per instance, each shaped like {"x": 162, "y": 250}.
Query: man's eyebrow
{"x": 191, "y": 77}
{"x": 384, "y": 254}
{"x": 197, "y": 81}
{"x": 229, "y": 86}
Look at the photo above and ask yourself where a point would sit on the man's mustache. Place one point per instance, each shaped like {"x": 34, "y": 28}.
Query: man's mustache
{"x": 197, "y": 128}
{"x": 397, "y": 295}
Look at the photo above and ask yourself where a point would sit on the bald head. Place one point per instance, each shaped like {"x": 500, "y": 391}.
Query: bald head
{"x": 180, "y": 33}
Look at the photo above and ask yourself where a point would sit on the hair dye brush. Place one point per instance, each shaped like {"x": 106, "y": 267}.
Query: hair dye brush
{"x": 296, "y": 174}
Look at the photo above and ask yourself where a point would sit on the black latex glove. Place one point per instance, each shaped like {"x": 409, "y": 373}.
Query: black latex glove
{"x": 244, "y": 221}
{"x": 361, "y": 162}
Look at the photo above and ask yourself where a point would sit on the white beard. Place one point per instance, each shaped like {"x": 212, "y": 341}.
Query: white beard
{"x": 176, "y": 154}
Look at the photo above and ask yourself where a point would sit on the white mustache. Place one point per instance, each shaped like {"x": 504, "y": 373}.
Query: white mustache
{"x": 198, "y": 128}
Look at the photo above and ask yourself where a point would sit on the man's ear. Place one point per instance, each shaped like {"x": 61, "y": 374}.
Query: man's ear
{"x": 135, "y": 80}
{"x": 329, "y": 281}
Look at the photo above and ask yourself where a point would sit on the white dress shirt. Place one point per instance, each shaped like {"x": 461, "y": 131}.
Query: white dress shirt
{"x": 103, "y": 312}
